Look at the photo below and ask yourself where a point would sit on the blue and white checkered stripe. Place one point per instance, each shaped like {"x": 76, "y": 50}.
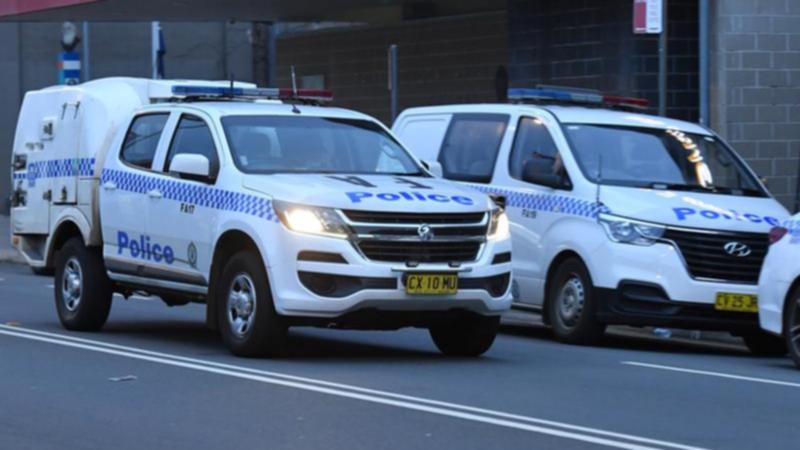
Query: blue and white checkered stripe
{"x": 204, "y": 196}
{"x": 546, "y": 202}
{"x": 57, "y": 168}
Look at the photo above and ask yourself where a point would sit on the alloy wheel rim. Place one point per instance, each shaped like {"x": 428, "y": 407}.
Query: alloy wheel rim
{"x": 794, "y": 328}
{"x": 571, "y": 300}
{"x": 241, "y": 305}
{"x": 72, "y": 284}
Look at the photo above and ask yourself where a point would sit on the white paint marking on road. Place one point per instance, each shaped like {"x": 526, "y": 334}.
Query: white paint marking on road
{"x": 50, "y": 286}
{"x": 504, "y": 415}
{"x": 711, "y": 374}
{"x": 491, "y": 417}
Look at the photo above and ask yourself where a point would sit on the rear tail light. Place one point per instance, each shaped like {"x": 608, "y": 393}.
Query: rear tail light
{"x": 776, "y": 234}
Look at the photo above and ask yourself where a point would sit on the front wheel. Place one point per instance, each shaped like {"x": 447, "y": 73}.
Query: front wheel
{"x": 247, "y": 319}
{"x": 571, "y": 305}
{"x": 791, "y": 326}
{"x": 83, "y": 291}
{"x": 465, "y": 336}
{"x": 762, "y": 343}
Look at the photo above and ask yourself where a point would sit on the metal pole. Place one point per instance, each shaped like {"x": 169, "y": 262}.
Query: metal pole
{"x": 393, "y": 80}
{"x": 704, "y": 64}
{"x": 154, "y": 26}
{"x": 87, "y": 56}
{"x": 662, "y": 62}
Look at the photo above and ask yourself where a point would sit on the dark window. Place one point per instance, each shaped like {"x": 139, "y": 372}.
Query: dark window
{"x": 469, "y": 150}
{"x": 534, "y": 150}
{"x": 142, "y": 138}
{"x": 193, "y": 137}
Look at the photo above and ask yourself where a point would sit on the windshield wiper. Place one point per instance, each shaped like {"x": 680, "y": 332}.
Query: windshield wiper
{"x": 708, "y": 189}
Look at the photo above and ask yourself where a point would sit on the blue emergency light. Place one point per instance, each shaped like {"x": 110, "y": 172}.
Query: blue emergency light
{"x": 221, "y": 92}
{"x": 552, "y": 94}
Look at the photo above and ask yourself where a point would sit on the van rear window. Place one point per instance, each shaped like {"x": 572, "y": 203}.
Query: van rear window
{"x": 469, "y": 150}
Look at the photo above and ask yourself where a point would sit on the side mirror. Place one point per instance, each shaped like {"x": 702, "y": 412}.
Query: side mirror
{"x": 531, "y": 175}
{"x": 191, "y": 166}
{"x": 434, "y": 167}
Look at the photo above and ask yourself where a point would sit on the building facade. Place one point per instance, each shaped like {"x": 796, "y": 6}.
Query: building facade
{"x": 754, "y": 67}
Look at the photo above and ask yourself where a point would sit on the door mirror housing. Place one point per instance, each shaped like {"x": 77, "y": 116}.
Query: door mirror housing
{"x": 554, "y": 181}
{"x": 434, "y": 167}
{"x": 191, "y": 166}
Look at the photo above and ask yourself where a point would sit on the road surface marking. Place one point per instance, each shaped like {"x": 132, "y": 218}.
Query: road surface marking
{"x": 711, "y": 374}
{"x": 498, "y": 418}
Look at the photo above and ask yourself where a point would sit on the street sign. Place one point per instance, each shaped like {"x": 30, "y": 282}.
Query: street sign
{"x": 647, "y": 16}
{"x": 69, "y": 68}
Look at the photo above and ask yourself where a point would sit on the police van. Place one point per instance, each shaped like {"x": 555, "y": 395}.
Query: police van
{"x": 779, "y": 286}
{"x": 618, "y": 217}
{"x": 270, "y": 208}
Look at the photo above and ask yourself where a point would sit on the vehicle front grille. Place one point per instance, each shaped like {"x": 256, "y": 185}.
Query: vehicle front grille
{"x": 421, "y": 252}
{"x": 395, "y": 237}
{"x": 707, "y": 259}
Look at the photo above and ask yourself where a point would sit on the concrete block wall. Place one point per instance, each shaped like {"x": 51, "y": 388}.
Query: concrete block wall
{"x": 590, "y": 43}
{"x": 448, "y": 60}
{"x": 756, "y": 87}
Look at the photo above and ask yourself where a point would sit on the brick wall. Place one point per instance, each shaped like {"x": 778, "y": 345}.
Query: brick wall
{"x": 590, "y": 43}
{"x": 450, "y": 60}
{"x": 756, "y": 87}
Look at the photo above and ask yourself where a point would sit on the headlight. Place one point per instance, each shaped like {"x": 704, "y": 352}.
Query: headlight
{"x": 311, "y": 219}
{"x": 498, "y": 227}
{"x": 630, "y": 232}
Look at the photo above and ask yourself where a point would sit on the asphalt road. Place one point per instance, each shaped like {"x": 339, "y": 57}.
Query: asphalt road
{"x": 156, "y": 378}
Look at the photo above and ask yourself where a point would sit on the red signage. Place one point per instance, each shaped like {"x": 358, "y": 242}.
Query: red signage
{"x": 647, "y": 16}
{"x": 18, "y": 7}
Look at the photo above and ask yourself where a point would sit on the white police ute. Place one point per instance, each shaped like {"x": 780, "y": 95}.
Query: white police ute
{"x": 618, "y": 217}
{"x": 779, "y": 286}
{"x": 271, "y": 209}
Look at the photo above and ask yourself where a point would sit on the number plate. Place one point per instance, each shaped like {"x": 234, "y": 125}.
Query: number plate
{"x": 431, "y": 284}
{"x": 736, "y": 302}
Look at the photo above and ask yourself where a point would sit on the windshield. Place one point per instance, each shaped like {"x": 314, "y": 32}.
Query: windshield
{"x": 656, "y": 158}
{"x": 272, "y": 144}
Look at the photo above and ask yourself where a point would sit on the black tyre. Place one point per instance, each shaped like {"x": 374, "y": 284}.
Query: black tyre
{"x": 465, "y": 335}
{"x": 43, "y": 271}
{"x": 761, "y": 343}
{"x": 83, "y": 291}
{"x": 572, "y": 305}
{"x": 791, "y": 325}
{"x": 246, "y": 314}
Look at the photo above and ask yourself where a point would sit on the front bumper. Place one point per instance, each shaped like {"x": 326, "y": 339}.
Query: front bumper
{"x": 652, "y": 286}
{"x": 645, "y": 304}
{"x": 381, "y": 285}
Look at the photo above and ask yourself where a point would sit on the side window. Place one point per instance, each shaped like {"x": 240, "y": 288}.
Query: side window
{"x": 534, "y": 151}
{"x": 469, "y": 150}
{"x": 192, "y": 136}
{"x": 141, "y": 141}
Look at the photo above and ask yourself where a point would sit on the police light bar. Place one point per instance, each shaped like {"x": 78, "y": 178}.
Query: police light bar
{"x": 303, "y": 95}
{"x": 549, "y": 94}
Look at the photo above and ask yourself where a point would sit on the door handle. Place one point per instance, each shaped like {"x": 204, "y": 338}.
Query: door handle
{"x": 110, "y": 186}
{"x": 155, "y": 193}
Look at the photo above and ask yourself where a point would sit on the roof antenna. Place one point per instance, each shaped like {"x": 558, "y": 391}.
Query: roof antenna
{"x": 230, "y": 93}
{"x": 294, "y": 92}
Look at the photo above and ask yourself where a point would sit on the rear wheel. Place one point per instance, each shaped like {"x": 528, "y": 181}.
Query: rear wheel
{"x": 762, "y": 343}
{"x": 571, "y": 305}
{"x": 83, "y": 291}
{"x": 246, "y": 314}
{"x": 791, "y": 326}
{"x": 465, "y": 336}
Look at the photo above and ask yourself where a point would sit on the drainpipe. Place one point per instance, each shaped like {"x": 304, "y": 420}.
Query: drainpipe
{"x": 704, "y": 43}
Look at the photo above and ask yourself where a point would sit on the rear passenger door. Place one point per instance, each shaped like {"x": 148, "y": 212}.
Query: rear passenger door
{"x": 125, "y": 184}
{"x": 181, "y": 218}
